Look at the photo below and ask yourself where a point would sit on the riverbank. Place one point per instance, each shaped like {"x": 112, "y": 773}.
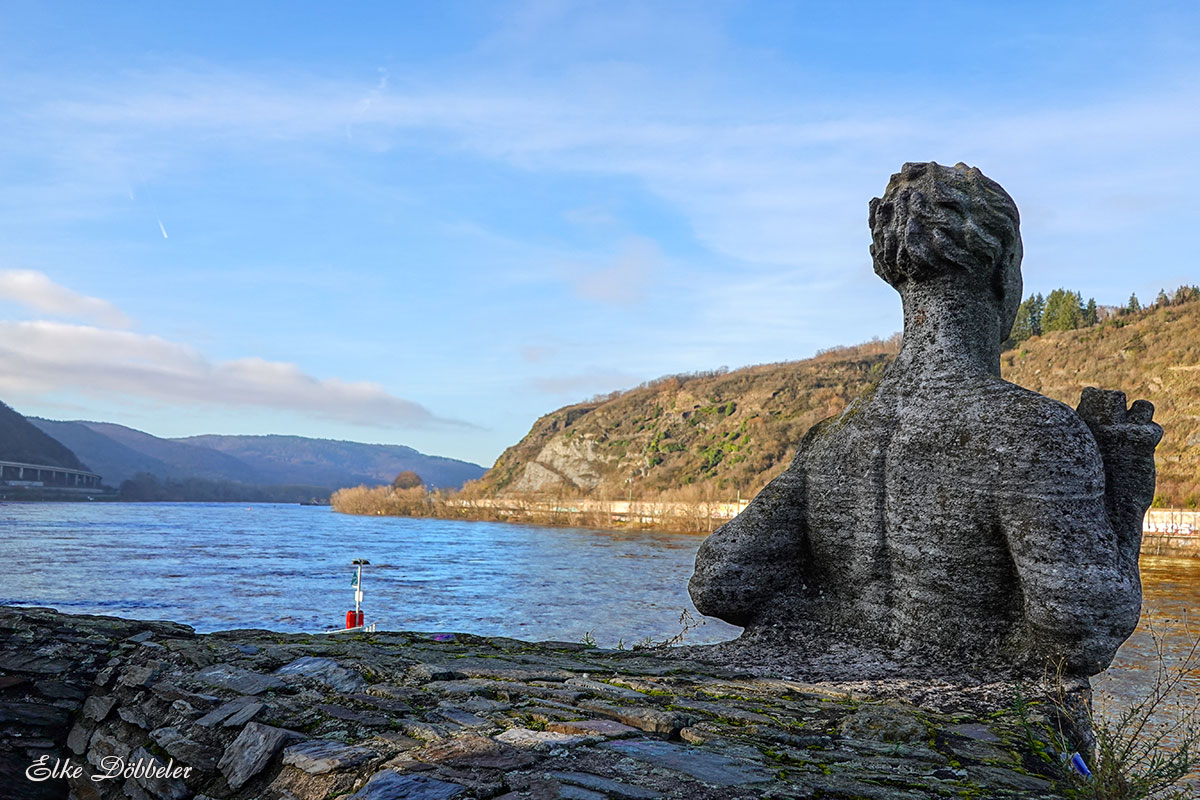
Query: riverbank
{"x": 1166, "y": 532}
{"x": 250, "y": 714}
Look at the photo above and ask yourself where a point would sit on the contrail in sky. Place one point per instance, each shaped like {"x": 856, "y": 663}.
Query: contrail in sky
{"x": 161, "y": 228}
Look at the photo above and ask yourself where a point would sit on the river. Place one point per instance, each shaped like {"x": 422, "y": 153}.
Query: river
{"x": 285, "y": 567}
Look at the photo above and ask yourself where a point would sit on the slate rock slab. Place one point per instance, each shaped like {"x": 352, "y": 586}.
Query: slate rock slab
{"x": 318, "y": 756}
{"x": 251, "y": 751}
{"x": 472, "y": 750}
{"x": 326, "y": 671}
{"x": 186, "y": 750}
{"x": 700, "y": 764}
{"x": 166, "y": 788}
{"x": 238, "y": 679}
{"x": 592, "y": 727}
{"x": 224, "y": 711}
{"x": 391, "y": 785}
{"x": 539, "y": 740}
{"x": 607, "y": 786}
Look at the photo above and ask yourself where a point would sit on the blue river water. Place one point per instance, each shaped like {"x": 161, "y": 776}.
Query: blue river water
{"x": 286, "y": 567}
{"x": 217, "y": 566}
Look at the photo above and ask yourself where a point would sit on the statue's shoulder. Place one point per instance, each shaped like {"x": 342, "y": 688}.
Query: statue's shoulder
{"x": 1030, "y": 412}
{"x": 1048, "y": 435}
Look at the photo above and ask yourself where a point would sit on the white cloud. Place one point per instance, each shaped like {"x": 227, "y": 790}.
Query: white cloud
{"x": 763, "y": 183}
{"x": 36, "y": 291}
{"x": 45, "y": 357}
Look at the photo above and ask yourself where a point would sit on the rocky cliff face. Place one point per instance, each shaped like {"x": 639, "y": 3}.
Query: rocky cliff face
{"x": 729, "y": 432}
{"x": 171, "y": 715}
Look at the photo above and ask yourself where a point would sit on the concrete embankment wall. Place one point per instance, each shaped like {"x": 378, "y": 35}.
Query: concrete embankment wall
{"x": 1166, "y": 531}
{"x": 685, "y": 516}
{"x": 1171, "y": 532}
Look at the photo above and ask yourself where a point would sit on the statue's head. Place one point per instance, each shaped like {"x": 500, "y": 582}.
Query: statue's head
{"x": 953, "y": 225}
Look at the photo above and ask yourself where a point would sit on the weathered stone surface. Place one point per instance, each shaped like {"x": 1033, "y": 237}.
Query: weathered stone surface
{"x": 949, "y": 522}
{"x": 391, "y": 785}
{"x": 651, "y": 720}
{"x": 243, "y": 715}
{"x": 885, "y": 724}
{"x": 78, "y": 739}
{"x": 703, "y": 765}
{"x": 465, "y": 719}
{"x": 237, "y": 679}
{"x": 592, "y": 727}
{"x": 188, "y": 751}
{"x": 352, "y": 715}
{"x": 251, "y": 751}
{"x": 162, "y": 786}
{"x": 97, "y": 708}
{"x": 35, "y": 714}
{"x": 472, "y": 750}
{"x": 602, "y": 689}
{"x": 33, "y": 662}
{"x": 134, "y": 716}
{"x": 169, "y": 691}
{"x": 539, "y": 740}
{"x": 326, "y": 671}
{"x": 317, "y": 756}
{"x": 59, "y": 690}
{"x": 224, "y": 711}
{"x": 608, "y": 786}
{"x": 141, "y": 676}
{"x": 757, "y": 736}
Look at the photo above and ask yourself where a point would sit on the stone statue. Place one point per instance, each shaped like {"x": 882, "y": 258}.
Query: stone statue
{"x": 948, "y": 519}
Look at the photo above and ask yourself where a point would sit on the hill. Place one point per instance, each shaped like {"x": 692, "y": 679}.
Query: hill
{"x": 717, "y": 434}
{"x": 120, "y": 454}
{"x": 114, "y": 461}
{"x": 328, "y": 462}
{"x": 24, "y": 442}
{"x": 136, "y": 451}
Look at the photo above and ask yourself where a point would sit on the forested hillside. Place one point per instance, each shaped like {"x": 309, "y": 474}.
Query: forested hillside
{"x": 23, "y": 442}
{"x": 723, "y": 433}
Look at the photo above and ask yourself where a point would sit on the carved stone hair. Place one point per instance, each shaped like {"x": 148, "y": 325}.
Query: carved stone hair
{"x": 933, "y": 220}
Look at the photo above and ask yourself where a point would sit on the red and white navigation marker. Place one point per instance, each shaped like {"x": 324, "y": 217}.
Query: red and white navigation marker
{"x": 354, "y": 618}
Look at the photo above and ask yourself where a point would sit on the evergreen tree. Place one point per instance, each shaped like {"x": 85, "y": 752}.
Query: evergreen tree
{"x": 1063, "y": 312}
{"x": 1029, "y": 320}
{"x": 1134, "y": 305}
{"x": 1090, "y": 315}
{"x": 1162, "y": 300}
{"x": 1185, "y": 294}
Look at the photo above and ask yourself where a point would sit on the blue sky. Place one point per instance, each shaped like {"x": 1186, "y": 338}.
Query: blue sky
{"x": 430, "y": 223}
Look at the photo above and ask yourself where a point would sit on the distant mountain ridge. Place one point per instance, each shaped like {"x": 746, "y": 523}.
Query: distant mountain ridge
{"x": 25, "y": 443}
{"x": 119, "y": 453}
{"x": 336, "y": 463}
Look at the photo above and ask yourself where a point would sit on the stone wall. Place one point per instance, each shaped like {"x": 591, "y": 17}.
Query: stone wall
{"x": 257, "y": 714}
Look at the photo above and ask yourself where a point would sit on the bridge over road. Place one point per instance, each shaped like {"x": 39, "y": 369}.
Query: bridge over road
{"x": 15, "y": 473}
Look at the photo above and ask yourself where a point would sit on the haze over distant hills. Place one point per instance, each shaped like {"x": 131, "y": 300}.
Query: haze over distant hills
{"x": 23, "y": 442}
{"x": 119, "y": 453}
